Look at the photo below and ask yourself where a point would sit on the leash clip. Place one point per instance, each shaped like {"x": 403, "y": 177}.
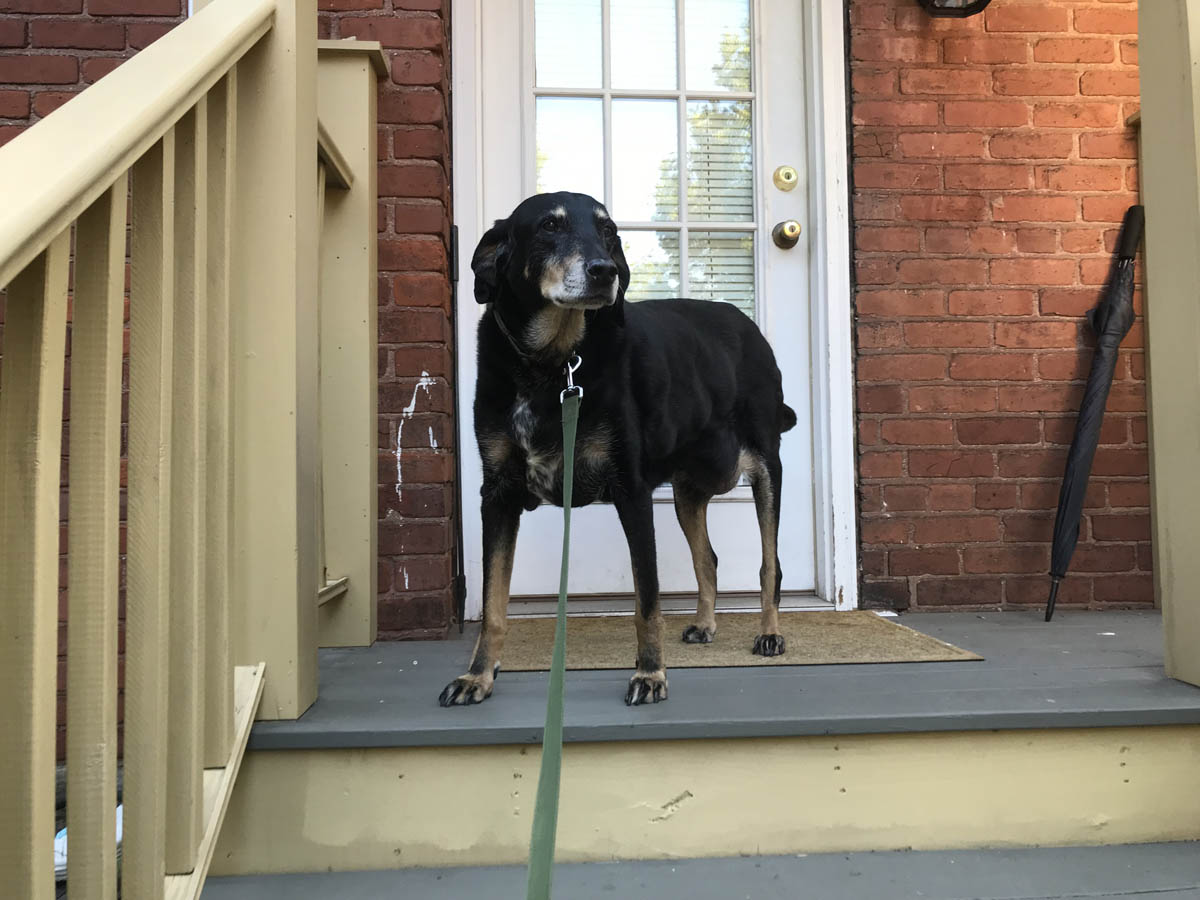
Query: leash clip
{"x": 572, "y": 388}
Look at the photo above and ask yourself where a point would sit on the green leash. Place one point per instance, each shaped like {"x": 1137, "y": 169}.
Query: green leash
{"x": 545, "y": 810}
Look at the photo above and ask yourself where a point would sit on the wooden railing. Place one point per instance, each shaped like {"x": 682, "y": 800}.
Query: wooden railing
{"x": 206, "y": 148}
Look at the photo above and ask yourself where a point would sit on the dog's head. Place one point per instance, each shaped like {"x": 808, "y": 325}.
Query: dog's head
{"x": 560, "y": 249}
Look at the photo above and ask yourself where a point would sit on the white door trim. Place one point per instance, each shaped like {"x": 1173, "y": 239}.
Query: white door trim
{"x": 832, "y": 351}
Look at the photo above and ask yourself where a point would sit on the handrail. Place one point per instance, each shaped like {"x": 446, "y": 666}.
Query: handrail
{"x": 338, "y": 171}
{"x": 182, "y": 189}
{"x": 86, "y": 146}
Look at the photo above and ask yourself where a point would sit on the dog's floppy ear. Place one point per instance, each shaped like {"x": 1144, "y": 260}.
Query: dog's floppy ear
{"x": 618, "y": 256}
{"x": 489, "y": 260}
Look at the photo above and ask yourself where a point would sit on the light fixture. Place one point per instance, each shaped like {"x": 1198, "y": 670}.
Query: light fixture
{"x": 958, "y": 9}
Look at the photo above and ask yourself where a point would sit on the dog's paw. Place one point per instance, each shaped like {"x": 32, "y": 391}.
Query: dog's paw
{"x": 696, "y": 634}
{"x": 769, "y": 645}
{"x": 467, "y": 689}
{"x": 646, "y": 687}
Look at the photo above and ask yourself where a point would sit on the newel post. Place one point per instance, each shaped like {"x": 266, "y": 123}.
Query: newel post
{"x": 347, "y": 76}
{"x": 273, "y": 349}
{"x": 1170, "y": 30}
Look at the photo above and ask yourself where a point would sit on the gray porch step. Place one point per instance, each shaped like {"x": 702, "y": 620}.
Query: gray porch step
{"x": 1144, "y": 871}
{"x": 1084, "y": 669}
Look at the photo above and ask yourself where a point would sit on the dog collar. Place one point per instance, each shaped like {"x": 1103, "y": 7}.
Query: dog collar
{"x": 516, "y": 345}
{"x": 525, "y": 355}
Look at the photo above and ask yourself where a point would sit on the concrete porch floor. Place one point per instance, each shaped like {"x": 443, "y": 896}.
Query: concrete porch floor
{"x": 1084, "y": 669}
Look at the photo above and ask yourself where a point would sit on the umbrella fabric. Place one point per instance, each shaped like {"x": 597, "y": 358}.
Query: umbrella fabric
{"x": 1110, "y": 321}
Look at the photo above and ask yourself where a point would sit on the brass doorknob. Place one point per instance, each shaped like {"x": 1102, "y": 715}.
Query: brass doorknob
{"x": 786, "y": 234}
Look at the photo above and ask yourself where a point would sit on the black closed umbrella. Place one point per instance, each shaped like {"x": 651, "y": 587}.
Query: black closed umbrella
{"x": 1111, "y": 321}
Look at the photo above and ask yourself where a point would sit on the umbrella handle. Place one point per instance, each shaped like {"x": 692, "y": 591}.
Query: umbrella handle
{"x": 1131, "y": 231}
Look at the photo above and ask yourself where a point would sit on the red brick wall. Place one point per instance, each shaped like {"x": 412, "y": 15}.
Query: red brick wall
{"x": 51, "y": 49}
{"x": 416, "y": 402}
{"x": 992, "y": 166}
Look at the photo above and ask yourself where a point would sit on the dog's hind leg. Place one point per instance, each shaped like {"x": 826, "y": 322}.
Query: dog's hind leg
{"x": 500, "y": 521}
{"x": 691, "y": 508}
{"x": 649, "y": 682}
{"x": 766, "y": 481}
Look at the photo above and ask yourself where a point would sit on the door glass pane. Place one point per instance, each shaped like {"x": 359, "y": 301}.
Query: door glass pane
{"x": 653, "y": 258}
{"x": 717, "y": 36}
{"x": 643, "y": 44}
{"x": 567, "y": 43}
{"x": 570, "y": 145}
{"x": 645, "y": 164}
{"x": 720, "y": 160}
{"x": 721, "y": 267}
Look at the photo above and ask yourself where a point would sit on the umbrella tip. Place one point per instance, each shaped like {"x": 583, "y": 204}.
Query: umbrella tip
{"x": 1053, "y": 596}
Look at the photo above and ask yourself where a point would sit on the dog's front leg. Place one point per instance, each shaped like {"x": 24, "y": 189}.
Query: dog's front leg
{"x": 649, "y": 682}
{"x": 501, "y": 517}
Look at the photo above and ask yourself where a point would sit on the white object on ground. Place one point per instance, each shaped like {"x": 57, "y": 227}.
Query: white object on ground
{"x": 60, "y": 847}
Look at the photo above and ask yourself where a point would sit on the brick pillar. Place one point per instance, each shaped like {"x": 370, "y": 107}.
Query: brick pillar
{"x": 416, "y": 401}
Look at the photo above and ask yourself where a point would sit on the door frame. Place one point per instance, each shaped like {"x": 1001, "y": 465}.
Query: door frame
{"x": 831, "y": 322}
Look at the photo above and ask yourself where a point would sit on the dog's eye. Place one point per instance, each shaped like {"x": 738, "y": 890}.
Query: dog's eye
{"x": 609, "y": 230}
{"x": 549, "y": 225}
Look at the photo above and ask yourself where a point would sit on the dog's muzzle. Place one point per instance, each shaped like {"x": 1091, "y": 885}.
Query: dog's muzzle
{"x": 587, "y": 285}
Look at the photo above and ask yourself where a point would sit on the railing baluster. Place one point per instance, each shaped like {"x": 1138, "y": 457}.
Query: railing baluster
{"x": 30, "y": 449}
{"x": 93, "y": 538}
{"x": 322, "y": 573}
{"x": 148, "y": 565}
{"x": 218, "y": 695}
{"x": 185, "y": 709}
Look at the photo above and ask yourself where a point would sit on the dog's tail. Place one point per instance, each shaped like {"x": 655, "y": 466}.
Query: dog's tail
{"x": 787, "y": 418}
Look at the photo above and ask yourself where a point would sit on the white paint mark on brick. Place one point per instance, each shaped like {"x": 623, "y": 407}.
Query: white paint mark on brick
{"x": 423, "y": 383}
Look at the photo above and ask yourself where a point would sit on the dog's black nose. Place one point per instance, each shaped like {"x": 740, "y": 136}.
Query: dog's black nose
{"x": 601, "y": 270}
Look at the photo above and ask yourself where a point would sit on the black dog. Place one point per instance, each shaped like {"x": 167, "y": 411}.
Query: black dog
{"x": 679, "y": 391}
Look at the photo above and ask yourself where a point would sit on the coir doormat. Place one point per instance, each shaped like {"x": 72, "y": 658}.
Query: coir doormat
{"x": 816, "y": 638}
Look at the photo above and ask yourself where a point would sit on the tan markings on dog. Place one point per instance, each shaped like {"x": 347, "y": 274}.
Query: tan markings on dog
{"x": 650, "y": 678}
{"x": 749, "y": 464}
{"x": 563, "y": 279}
{"x": 595, "y": 449}
{"x": 768, "y": 527}
{"x": 496, "y": 448}
{"x": 770, "y": 597}
{"x": 693, "y": 519}
{"x": 650, "y": 643}
{"x": 649, "y": 633}
{"x": 601, "y": 214}
{"x": 490, "y": 643}
{"x": 552, "y": 276}
{"x": 555, "y": 331}
{"x": 543, "y": 472}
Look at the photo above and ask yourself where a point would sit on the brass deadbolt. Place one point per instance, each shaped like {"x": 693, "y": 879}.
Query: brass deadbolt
{"x": 786, "y": 178}
{"x": 786, "y": 234}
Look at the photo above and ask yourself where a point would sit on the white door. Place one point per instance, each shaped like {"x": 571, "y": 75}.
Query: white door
{"x": 677, "y": 114}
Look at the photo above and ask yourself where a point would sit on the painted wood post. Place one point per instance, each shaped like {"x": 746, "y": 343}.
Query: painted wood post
{"x": 346, "y": 86}
{"x": 148, "y": 561}
{"x": 92, "y": 565}
{"x": 218, "y": 662}
{"x": 1171, "y": 192}
{"x": 185, "y": 703}
{"x": 30, "y": 464}
{"x": 273, "y": 345}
